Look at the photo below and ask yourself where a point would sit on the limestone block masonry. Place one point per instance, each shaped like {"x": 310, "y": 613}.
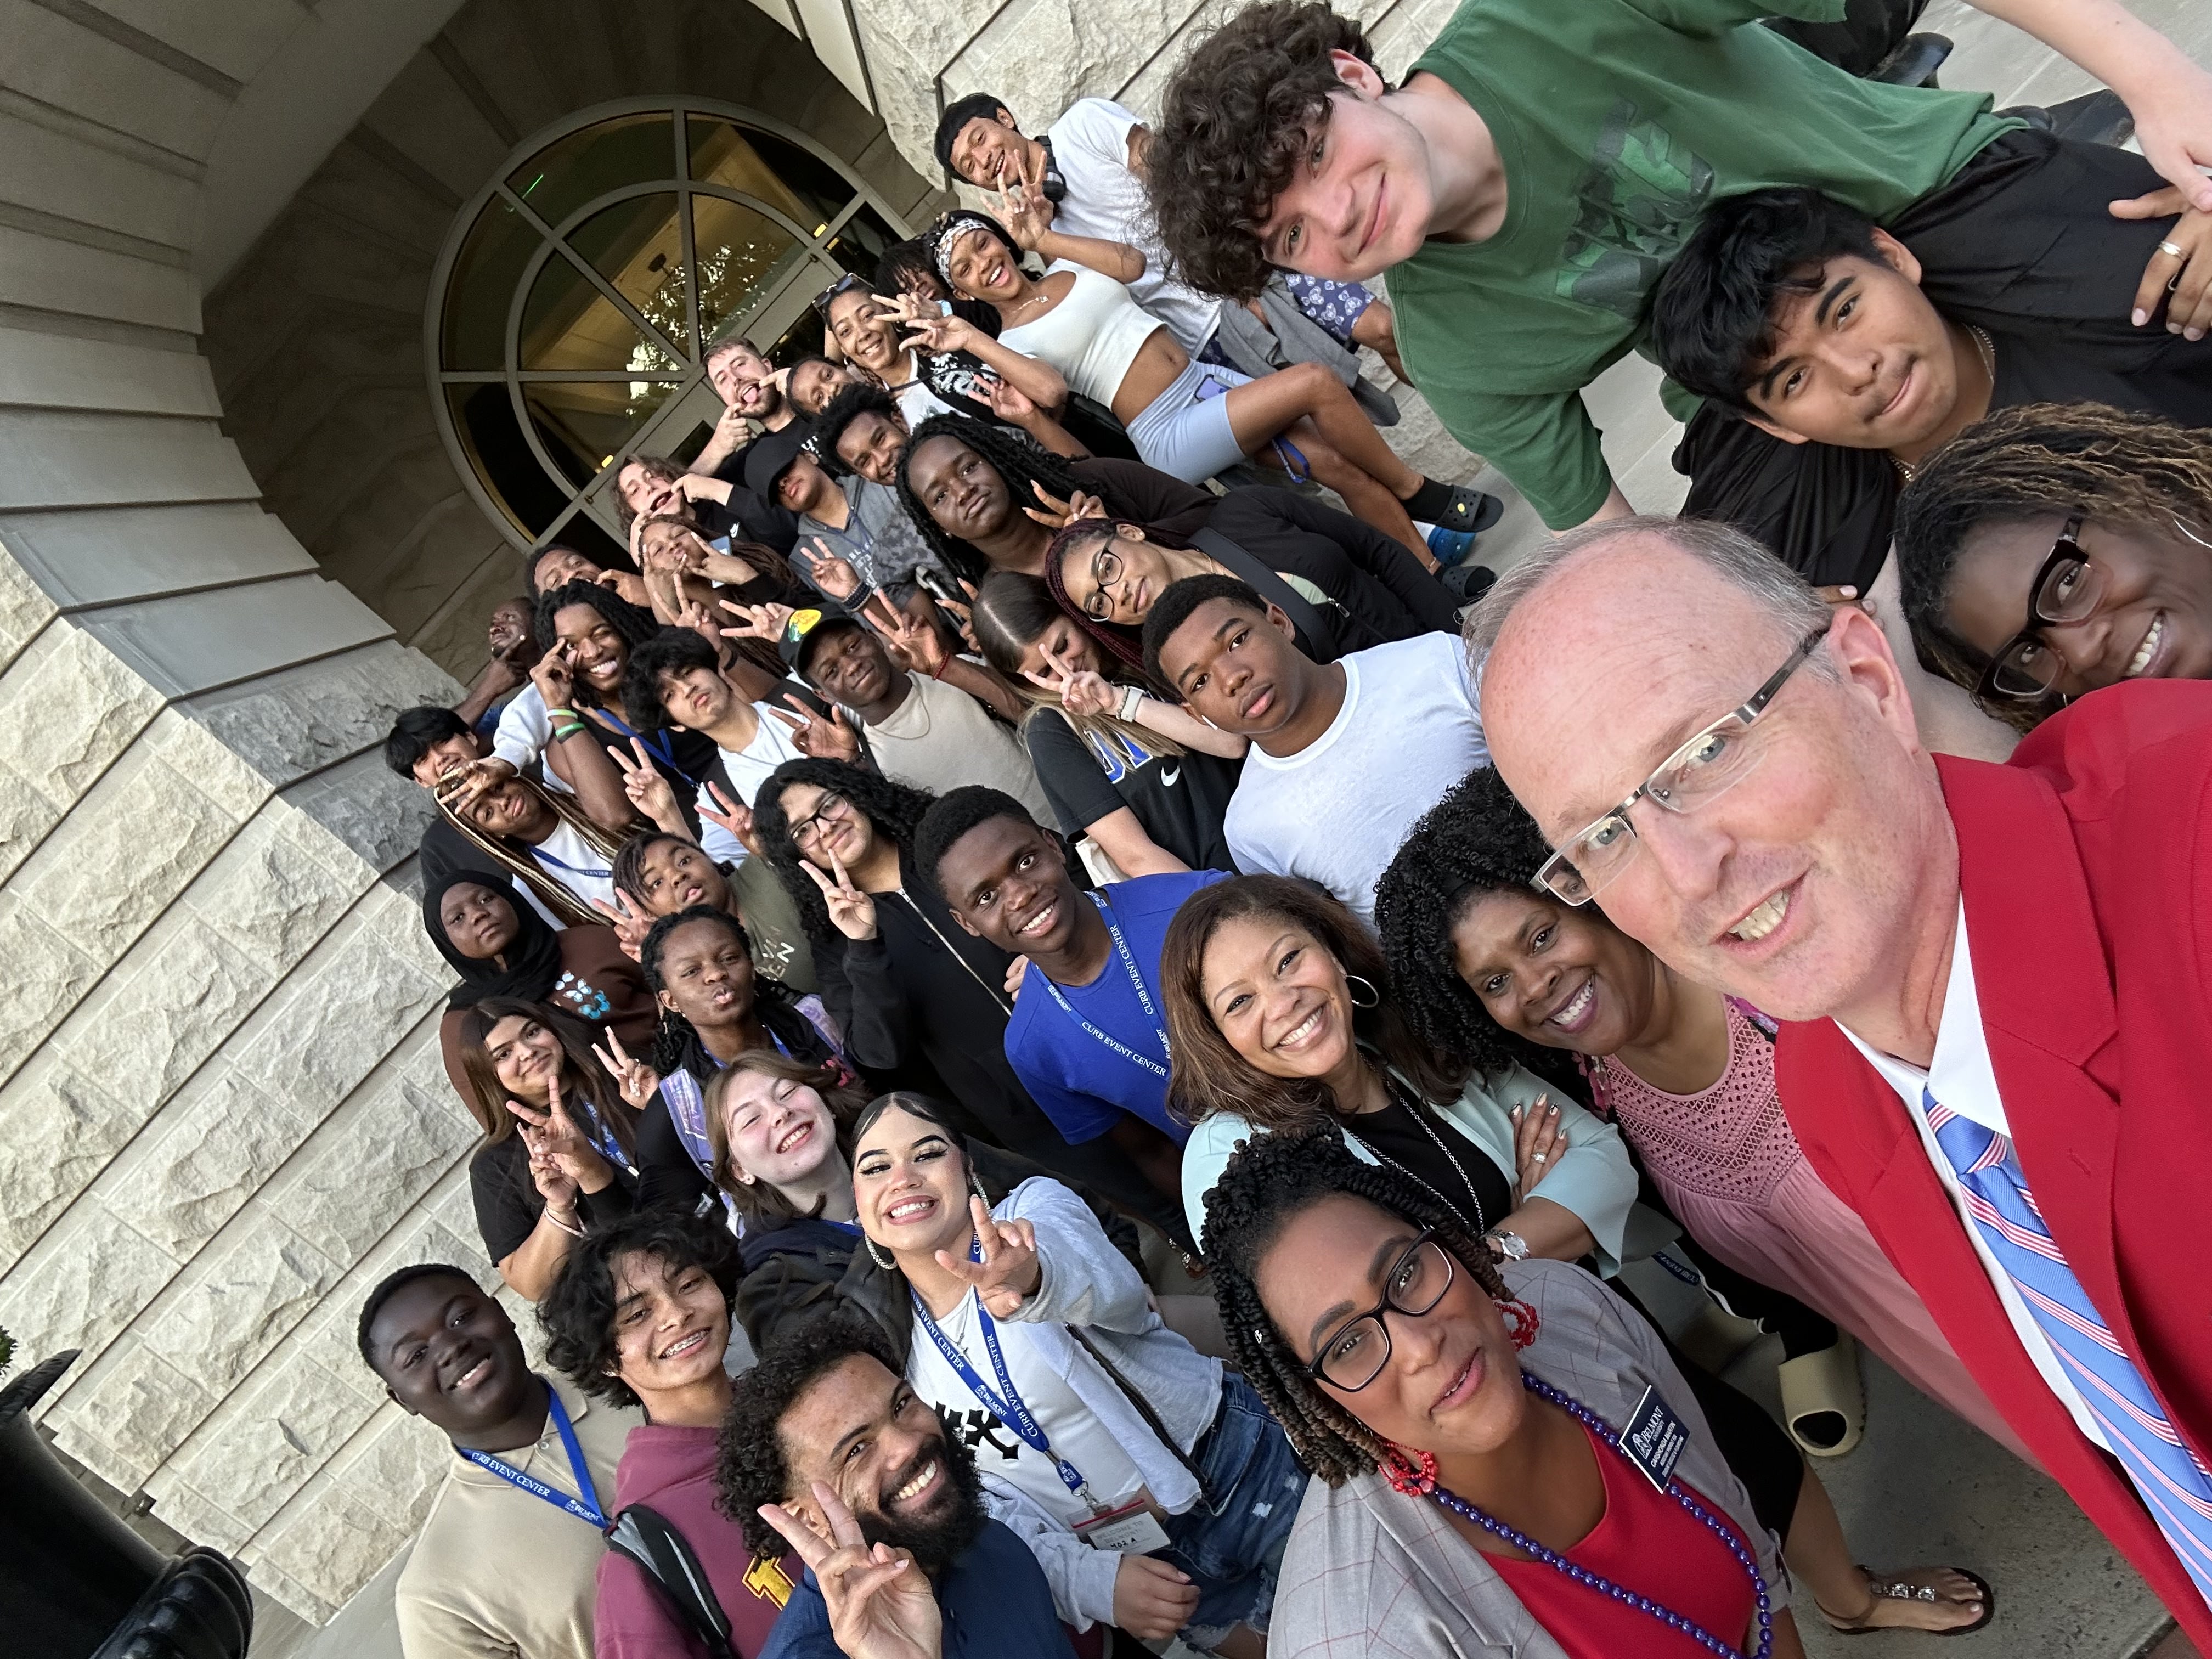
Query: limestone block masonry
{"x": 221, "y": 1111}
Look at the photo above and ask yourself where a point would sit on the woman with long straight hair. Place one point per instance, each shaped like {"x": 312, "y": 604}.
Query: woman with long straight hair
{"x": 559, "y": 1154}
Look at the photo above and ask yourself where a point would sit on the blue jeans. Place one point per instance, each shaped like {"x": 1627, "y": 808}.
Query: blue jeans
{"x": 1232, "y": 1547}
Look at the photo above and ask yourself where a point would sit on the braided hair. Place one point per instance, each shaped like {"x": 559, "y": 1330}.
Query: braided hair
{"x": 1269, "y": 1181}
{"x": 893, "y": 808}
{"x": 1477, "y": 840}
{"x": 634, "y": 624}
{"x": 1012, "y": 456}
{"x": 677, "y": 1045}
{"x": 2030, "y": 463}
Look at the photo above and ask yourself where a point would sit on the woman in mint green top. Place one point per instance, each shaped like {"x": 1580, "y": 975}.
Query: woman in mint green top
{"x": 1277, "y": 1017}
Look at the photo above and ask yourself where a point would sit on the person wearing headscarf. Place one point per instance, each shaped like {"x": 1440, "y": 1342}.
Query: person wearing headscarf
{"x": 502, "y": 948}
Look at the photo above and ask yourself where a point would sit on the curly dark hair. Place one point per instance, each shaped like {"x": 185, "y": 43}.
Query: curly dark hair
{"x": 658, "y": 467}
{"x": 841, "y": 411}
{"x": 628, "y": 870}
{"x": 1269, "y": 1180}
{"x": 1175, "y": 606}
{"x": 895, "y": 810}
{"x": 954, "y": 814}
{"x": 666, "y": 651}
{"x": 578, "y": 1314}
{"x": 1236, "y": 121}
{"x": 2032, "y": 462}
{"x": 1209, "y": 1076}
{"x": 1477, "y": 840}
{"x": 901, "y": 262}
{"x": 1012, "y": 456}
{"x": 634, "y": 624}
{"x": 415, "y": 731}
{"x": 750, "y": 1468}
{"x": 1716, "y": 307}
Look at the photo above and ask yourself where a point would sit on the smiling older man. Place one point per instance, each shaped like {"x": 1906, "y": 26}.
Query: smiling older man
{"x": 1732, "y": 769}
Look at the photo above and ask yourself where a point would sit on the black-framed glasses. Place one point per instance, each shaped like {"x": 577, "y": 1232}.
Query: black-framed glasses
{"x": 1106, "y": 569}
{"x": 844, "y": 284}
{"x": 2068, "y": 588}
{"x": 1716, "y": 759}
{"x": 1355, "y": 1354}
{"x": 810, "y": 829}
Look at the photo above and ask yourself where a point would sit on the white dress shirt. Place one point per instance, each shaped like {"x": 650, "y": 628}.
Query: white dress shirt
{"x": 1963, "y": 1078}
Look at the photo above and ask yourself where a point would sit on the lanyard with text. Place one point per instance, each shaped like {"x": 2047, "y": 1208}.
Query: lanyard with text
{"x": 1144, "y": 998}
{"x": 583, "y": 1507}
{"x": 546, "y": 857}
{"x": 1004, "y": 1403}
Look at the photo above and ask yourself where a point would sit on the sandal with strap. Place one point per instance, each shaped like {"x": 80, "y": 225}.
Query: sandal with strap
{"x": 1471, "y": 511}
{"x": 1882, "y": 1589}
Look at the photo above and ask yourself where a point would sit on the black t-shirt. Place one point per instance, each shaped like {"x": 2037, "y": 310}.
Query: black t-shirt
{"x": 1478, "y": 1190}
{"x": 2079, "y": 370}
{"x": 1145, "y": 496}
{"x": 445, "y": 850}
{"x": 1181, "y": 799}
{"x": 747, "y": 517}
{"x": 508, "y": 1203}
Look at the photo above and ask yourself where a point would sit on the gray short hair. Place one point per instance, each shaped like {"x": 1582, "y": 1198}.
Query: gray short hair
{"x": 1731, "y": 555}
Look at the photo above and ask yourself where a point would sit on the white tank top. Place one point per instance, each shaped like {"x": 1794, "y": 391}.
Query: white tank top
{"x": 1091, "y": 336}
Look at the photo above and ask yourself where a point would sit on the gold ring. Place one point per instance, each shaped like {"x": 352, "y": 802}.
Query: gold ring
{"x": 2169, "y": 248}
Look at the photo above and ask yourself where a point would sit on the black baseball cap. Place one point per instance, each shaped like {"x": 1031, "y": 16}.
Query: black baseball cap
{"x": 808, "y": 629}
{"x": 771, "y": 455}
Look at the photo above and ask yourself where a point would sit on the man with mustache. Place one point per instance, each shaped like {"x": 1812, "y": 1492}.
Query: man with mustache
{"x": 828, "y": 1448}
{"x": 506, "y": 1561}
{"x": 1734, "y": 770}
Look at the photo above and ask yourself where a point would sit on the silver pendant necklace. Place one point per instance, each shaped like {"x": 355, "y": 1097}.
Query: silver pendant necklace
{"x": 1412, "y": 1110}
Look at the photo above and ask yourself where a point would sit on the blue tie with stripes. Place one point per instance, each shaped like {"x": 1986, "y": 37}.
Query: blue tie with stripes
{"x": 2174, "y": 1485}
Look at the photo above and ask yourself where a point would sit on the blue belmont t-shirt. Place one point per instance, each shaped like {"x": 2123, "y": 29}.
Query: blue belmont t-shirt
{"x": 1083, "y": 1083}
{"x": 994, "y": 1600}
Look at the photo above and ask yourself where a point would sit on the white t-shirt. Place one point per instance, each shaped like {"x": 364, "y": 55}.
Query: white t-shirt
{"x": 1074, "y": 1432}
{"x": 1336, "y": 812}
{"x": 573, "y": 862}
{"x": 1090, "y": 148}
{"x": 524, "y": 734}
{"x": 941, "y": 737}
{"x": 771, "y": 746}
{"x": 1964, "y": 1080}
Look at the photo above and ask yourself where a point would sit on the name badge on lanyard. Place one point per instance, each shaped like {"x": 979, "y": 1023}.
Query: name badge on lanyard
{"x": 1131, "y": 1528}
{"x": 585, "y": 1505}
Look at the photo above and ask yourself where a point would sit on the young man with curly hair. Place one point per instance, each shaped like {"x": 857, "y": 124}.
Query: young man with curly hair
{"x": 640, "y": 1318}
{"x": 1542, "y": 164}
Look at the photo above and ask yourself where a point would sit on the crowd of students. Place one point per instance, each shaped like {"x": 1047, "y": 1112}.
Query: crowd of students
{"x": 1044, "y": 1051}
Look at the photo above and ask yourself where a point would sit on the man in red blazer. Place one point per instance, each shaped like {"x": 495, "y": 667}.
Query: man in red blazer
{"x": 1733, "y": 772}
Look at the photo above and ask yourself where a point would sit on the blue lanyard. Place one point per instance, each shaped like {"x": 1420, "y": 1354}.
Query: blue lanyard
{"x": 602, "y": 1137}
{"x": 1004, "y": 1402}
{"x": 583, "y": 1507}
{"x": 656, "y": 744}
{"x": 1144, "y": 998}
{"x": 544, "y": 857}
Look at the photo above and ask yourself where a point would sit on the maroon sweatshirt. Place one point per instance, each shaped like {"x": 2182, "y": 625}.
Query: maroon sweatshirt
{"x": 672, "y": 1472}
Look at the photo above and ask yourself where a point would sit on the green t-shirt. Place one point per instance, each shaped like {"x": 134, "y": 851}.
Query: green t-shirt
{"x": 1617, "y": 121}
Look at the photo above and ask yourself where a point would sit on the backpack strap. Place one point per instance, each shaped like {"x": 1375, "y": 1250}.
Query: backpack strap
{"x": 1257, "y": 574}
{"x": 645, "y": 1536}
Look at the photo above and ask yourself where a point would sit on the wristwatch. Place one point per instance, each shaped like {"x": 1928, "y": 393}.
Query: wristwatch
{"x": 1512, "y": 1247}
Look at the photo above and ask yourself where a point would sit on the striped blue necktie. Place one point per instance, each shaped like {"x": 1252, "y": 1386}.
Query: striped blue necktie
{"x": 2174, "y": 1485}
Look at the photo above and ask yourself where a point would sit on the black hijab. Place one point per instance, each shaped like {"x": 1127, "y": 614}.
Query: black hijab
{"x": 533, "y": 955}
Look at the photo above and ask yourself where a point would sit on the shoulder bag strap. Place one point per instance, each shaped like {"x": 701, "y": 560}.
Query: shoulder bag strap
{"x": 647, "y": 1537}
{"x": 1262, "y": 577}
{"x": 1144, "y": 1408}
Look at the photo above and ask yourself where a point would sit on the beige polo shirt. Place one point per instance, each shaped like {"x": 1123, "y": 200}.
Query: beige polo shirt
{"x": 498, "y": 1572}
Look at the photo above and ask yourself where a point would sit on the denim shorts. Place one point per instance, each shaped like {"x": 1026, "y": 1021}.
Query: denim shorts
{"x": 1232, "y": 1547}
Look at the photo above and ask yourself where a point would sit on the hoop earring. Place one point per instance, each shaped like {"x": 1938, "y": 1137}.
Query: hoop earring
{"x": 1413, "y": 1474}
{"x": 975, "y": 1186}
{"x": 1520, "y": 1321}
{"x": 886, "y": 1263}
{"x": 1353, "y": 983}
{"x": 2191, "y": 534}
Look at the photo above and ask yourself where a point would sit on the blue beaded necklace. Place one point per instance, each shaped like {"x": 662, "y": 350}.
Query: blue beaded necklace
{"x": 1689, "y": 1627}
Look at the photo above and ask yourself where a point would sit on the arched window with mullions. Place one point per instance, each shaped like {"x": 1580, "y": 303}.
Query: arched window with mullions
{"x": 577, "y": 295}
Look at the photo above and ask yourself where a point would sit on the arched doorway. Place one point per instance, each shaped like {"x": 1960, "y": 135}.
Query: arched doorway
{"x": 576, "y": 296}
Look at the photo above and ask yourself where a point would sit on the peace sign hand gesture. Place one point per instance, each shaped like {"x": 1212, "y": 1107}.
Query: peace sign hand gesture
{"x": 630, "y": 929}
{"x": 1059, "y": 515}
{"x": 823, "y": 739}
{"x": 1005, "y": 399}
{"x": 1081, "y": 690}
{"x": 637, "y": 1079}
{"x": 880, "y": 1603}
{"x": 1024, "y": 209}
{"x": 555, "y": 1184}
{"x": 734, "y": 816}
{"x": 852, "y": 912}
{"x": 555, "y": 1135}
{"x": 648, "y": 790}
{"x": 834, "y": 575}
{"x": 757, "y": 622}
{"x": 916, "y": 647}
{"x": 1010, "y": 1272}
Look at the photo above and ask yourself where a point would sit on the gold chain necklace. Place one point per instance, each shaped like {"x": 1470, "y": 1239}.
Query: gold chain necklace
{"x": 1986, "y": 349}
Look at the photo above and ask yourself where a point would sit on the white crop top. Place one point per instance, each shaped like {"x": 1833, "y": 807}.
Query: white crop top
{"x": 1091, "y": 336}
